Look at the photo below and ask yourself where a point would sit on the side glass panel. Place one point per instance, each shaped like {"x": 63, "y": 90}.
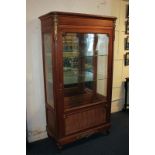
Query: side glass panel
{"x": 48, "y": 68}
{"x": 102, "y": 63}
{"x": 85, "y": 67}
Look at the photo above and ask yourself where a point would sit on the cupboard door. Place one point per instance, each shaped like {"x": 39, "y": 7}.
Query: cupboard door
{"x": 85, "y": 119}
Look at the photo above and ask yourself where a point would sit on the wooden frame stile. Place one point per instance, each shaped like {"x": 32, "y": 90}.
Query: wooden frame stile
{"x": 55, "y": 135}
{"x": 61, "y": 102}
{"x": 110, "y": 63}
{"x": 110, "y": 77}
{"x": 58, "y": 77}
{"x": 95, "y": 66}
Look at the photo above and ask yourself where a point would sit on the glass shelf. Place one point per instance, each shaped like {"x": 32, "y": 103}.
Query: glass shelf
{"x": 73, "y": 76}
{"x": 74, "y": 54}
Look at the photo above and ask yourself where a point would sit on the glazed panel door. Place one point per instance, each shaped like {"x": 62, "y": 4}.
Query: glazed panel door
{"x": 85, "y": 67}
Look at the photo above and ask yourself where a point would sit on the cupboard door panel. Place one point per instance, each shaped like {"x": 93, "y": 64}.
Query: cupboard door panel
{"x": 85, "y": 119}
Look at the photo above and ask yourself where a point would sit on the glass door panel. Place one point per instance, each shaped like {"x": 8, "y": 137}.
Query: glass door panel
{"x": 48, "y": 69}
{"x": 102, "y": 63}
{"x": 85, "y": 67}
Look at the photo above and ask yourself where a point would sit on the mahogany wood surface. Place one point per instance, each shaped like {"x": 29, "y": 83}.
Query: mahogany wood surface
{"x": 76, "y": 116}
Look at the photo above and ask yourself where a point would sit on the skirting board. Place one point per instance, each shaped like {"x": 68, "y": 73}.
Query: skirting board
{"x": 37, "y": 136}
{"x": 117, "y": 105}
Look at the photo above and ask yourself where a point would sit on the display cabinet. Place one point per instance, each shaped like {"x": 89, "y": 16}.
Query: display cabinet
{"x": 78, "y": 67}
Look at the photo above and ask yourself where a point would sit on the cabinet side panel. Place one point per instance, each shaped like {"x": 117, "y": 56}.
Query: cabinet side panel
{"x": 46, "y": 24}
{"x": 51, "y": 121}
{"x": 48, "y": 69}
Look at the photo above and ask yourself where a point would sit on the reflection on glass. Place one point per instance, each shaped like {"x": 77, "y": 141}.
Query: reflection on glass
{"x": 85, "y": 63}
{"x": 48, "y": 68}
{"x": 102, "y": 44}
